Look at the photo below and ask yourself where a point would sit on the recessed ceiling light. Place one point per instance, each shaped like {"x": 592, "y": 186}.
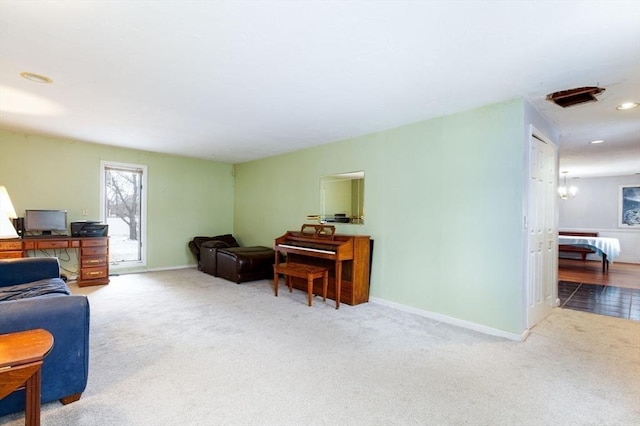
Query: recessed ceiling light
{"x": 598, "y": 141}
{"x": 37, "y": 78}
{"x": 627, "y": 105}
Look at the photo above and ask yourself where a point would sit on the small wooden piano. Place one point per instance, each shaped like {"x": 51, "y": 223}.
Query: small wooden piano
{"x": 346, "y": 257}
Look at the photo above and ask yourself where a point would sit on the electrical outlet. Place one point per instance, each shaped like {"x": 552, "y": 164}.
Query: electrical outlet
{"x": 85, "y": 212}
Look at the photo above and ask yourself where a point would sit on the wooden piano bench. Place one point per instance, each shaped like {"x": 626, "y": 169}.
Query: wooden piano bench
{"x": 300, "y": 270}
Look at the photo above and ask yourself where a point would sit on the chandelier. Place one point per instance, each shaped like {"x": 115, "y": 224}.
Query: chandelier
{"x": 564, "y": 191}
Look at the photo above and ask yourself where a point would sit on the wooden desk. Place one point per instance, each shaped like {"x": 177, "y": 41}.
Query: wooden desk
{"x": 93, "y": 254}
{"x": 21, "y": 357}
{"x": 10, "y": 248}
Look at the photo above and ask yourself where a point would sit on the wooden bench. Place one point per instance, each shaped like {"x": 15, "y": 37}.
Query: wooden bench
{"x": 300, "y": 270}
{"x": 584, "y": 251}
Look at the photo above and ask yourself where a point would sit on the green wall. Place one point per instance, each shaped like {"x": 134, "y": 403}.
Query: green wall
{"x": 185, "y": 196}
{"x": 443, "y": 203}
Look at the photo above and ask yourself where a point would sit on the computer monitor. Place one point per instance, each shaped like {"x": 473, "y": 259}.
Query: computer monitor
{"x": 45, "y": 221}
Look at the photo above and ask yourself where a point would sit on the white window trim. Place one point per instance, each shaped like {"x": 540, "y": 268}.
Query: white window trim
{"x": 143, "y": 211}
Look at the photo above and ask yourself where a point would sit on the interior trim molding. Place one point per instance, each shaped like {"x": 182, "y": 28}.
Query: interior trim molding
{"x": 453, "y": 321}
{"x": 164, "y": 268}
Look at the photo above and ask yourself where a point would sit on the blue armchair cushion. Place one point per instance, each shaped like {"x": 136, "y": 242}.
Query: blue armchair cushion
{"x": 27, "y": 270}
{"x": 34, "y": 289}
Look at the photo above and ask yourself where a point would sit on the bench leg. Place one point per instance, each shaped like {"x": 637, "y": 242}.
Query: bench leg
{"x": 309, "y": 288}
{"x": 325, "y": 284}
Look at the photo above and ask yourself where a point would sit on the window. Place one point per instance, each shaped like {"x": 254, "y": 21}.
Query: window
{"x": 124, "y": 210}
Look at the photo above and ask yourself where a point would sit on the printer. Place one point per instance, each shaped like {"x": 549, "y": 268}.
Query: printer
{"x": 87, "y": 228}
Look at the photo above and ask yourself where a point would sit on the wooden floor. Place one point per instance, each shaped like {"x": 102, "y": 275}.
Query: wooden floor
{"x": 584, "y": 287}
{"x": 626, "y": 275}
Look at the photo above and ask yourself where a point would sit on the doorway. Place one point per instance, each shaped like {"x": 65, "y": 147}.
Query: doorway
{"x": 123, "y": 207}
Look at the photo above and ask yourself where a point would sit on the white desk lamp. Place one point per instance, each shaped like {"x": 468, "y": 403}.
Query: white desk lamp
{"x": 7, "y": 212}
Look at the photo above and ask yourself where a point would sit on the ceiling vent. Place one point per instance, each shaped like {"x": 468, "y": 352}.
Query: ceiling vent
{"x": 571, "y": 97}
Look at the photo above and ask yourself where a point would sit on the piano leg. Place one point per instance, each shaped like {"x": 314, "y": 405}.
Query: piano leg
{"x": 338, "y": 282}
{"x": 325, "y": 284}
{"x": 276, "y": 278}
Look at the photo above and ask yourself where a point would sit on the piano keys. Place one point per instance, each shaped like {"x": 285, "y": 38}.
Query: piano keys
{"x": 347, "y": 258}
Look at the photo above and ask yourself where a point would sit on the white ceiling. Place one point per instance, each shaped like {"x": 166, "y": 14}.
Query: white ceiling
{"x": 239, "y": 80}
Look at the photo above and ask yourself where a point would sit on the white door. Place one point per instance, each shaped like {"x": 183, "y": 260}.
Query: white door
{"x": 542, "y": 251}
{"x": 123, "y": 203}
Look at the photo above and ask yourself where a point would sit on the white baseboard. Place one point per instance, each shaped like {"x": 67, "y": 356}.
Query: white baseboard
{"x": 171, "y": 268}
{"x": 453, "y": 321}
{"x": 142, "y": 270}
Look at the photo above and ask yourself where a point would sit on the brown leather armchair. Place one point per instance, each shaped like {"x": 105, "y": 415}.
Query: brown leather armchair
{"x": 195, "y": 245}
{"x": 222, "y": 256}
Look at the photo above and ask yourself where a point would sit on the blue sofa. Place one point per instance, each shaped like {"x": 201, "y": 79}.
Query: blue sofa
{"x": 32, "y": 295}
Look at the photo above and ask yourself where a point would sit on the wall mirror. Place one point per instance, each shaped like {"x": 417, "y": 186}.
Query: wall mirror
{"x": 342, "y": 198}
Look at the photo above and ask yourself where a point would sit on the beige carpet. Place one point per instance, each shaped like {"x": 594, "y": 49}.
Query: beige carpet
{"x": 185, "y": 348}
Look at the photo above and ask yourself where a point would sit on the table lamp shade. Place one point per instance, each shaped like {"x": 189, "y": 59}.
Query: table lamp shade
{"x": 7, "y": 212}
{"x": 6, "y": 206}
{"x": 6, "y": 228}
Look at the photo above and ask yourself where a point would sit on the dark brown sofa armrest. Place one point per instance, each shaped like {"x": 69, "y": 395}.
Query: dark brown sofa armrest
{"x": 196, "y": 243}
{"x": 208, "y": 256}
{"x": 219, "y": 241}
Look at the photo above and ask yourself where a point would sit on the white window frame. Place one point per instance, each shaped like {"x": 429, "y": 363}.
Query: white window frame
{"x": 104, "y": 164}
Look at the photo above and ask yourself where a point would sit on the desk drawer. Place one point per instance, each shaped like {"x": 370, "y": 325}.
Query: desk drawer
{"x": 94, "y": 242}
{"x": 41, "y": 245}
{"x": 88, "y": 262}
{"x": 94, "y": 251}
{"x": 10, "y": 245}
{"x": 93, "y": 273}
{"x": 10, "y": 254}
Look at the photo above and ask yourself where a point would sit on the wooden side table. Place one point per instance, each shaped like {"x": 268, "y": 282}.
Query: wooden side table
{"x": 21, "y": 357}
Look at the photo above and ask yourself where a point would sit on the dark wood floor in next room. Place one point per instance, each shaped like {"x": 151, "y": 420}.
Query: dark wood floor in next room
{"x": 583, "y": 286}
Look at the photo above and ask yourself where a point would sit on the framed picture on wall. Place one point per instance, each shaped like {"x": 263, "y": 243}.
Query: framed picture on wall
{"x": 629, "y": 206}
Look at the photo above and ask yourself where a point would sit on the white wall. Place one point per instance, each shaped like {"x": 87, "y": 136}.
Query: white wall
{"x": 595, "y": 209}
